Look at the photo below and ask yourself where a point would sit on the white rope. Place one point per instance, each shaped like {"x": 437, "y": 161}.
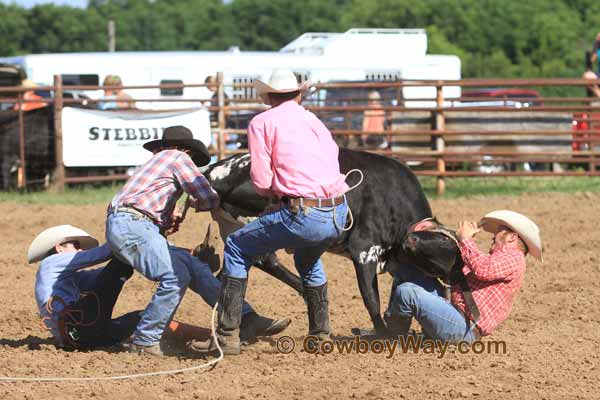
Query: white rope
{"x": 133, "y": 376}
{"x": 350, "y": 216}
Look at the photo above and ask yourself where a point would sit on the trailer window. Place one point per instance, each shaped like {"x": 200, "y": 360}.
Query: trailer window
{"x": 302, "y": 77}
{"x": 171, "y": 91}
{"x": 382, "y": 76}
{"x": 80, "y": 80}
{"x": 245, "y": 92}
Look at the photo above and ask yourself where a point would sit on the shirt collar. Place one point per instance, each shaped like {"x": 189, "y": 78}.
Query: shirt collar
{"x": 506, "y": 248}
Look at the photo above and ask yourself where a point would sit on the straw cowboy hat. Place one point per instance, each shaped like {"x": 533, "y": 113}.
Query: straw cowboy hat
{"x": 374, "y": 95}
{"x": 180, "y": 136}
{"x": 523, "y": 226}
{"x": 28, "y": 83}
{"x": 281, "y": 81}
{"x": 45, "y": 241}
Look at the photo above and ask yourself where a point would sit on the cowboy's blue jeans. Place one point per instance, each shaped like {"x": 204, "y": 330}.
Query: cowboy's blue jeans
{"x": 138, "y": 242}
{"x": 310, "y": 232}
{"x": 438, "y": 318}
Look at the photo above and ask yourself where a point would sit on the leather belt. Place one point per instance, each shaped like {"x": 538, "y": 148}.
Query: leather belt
{"x": 134, "y": 211}
{"x": 305, "y": 202}
{"x": 470, "y": 323}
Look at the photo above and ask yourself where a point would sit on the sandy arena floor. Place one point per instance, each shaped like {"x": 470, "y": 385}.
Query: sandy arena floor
{"x": 552, "y": 336}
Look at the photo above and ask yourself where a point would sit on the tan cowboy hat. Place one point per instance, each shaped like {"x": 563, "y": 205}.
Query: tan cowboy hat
{"x": 45, "y": 241}
{"x": 374, "y": 95}
{"x": 523, "y": 226}
{"x": 28, "y": 83}
{"x": 281, "y": 81}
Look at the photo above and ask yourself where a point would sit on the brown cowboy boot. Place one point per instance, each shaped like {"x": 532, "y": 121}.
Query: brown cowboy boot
{"x": 317, "y": 303}
{"x": 397, "y": 325}
{"x": 231, "y": 299}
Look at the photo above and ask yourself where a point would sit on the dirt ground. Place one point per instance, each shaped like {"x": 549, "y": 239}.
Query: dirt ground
{"x": 552, "y": 336}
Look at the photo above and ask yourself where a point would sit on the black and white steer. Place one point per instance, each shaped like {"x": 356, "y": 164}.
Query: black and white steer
{"x": 387, "y": 203}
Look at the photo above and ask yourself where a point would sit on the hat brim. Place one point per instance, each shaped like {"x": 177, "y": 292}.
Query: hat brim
{"x": 40, "y": 248}
{"x": 199, "y": 156}
{"x": 493, "y": 224}
{"x": 263, "y": 88}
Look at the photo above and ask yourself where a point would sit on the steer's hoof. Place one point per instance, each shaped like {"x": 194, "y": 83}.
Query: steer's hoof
{"x": 370, "y": 334}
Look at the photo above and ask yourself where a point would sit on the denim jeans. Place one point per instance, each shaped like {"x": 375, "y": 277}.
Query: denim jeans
{"x": 138, "y": 242}
{"x": 203, "y": 281}
{"x": 438, "y": 318}
{"x": 310, "y": 231}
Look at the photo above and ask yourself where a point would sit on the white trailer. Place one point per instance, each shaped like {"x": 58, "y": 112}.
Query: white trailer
{"x": 355, "y": 55}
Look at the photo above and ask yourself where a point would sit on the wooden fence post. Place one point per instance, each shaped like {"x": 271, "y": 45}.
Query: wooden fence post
{"x": 21, "y": 172}
{"x": 440, "y": 144}
{"x": 221, "y": 117}
{"x": 58, "y": 178}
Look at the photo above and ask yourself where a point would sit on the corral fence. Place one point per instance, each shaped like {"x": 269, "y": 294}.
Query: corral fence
{"x": 495, "y": 127}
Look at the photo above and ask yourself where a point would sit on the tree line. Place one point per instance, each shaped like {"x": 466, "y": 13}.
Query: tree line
{"x": 493, "y": 38}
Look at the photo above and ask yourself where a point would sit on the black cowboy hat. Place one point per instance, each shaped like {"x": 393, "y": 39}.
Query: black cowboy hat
{"x": 181, "y": 136}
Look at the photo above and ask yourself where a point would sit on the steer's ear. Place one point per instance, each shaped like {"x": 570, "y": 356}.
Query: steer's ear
{"x": 423, "y": 225}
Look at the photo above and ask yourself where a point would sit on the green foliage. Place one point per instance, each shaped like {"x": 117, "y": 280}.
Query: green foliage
{"x": 510, "y": 38}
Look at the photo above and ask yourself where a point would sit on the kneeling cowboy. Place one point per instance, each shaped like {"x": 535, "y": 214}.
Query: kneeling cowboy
{"x": 76, "y": 306}
{"x": 295, "y": 159}
{"x": 492, "y": 281}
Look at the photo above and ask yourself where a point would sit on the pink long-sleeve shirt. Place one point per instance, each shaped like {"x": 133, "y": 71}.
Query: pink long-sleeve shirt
{"x": 293, "y": 154}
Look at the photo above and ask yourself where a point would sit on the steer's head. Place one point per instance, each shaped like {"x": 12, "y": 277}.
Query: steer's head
{"x": 434, "y": 249}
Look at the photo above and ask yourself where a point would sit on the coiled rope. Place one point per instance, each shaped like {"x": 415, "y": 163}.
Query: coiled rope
{"x": 350, "y": 216}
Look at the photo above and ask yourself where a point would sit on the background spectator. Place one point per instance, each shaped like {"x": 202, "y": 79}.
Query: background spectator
{"x": 596, "y": 52}
{"x": 30, "y": 95}
{"x": 592, "y": 90}
{"x": 120, "y": 99}
{"x": 374, "y": 121}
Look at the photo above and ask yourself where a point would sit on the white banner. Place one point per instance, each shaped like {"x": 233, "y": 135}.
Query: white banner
{"x": 93, "y": 138}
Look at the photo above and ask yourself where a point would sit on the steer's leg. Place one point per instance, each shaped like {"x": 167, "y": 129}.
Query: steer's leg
{"x": 366, "y": 274}
{"x": 271, "y": 265}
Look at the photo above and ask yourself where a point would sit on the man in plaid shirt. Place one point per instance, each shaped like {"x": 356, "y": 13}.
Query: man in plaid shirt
{"x": 144, "y": 212}
{"x": 494, "y": 280}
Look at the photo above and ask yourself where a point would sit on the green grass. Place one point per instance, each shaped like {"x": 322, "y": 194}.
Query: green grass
{"x": 510, "y": 186}
{"x": 74, "y": 195}
{"x": 455, "y": 188}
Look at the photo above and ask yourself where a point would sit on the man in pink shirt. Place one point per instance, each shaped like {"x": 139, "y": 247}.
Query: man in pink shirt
{"x": 295, "y": 163}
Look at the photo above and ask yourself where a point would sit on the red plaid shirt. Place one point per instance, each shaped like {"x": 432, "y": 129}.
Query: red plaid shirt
{"x": 156, "y": 186}
{"x": 494, "y": 280}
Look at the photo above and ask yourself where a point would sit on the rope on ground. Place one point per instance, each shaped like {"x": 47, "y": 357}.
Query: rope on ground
{"x": 132, "y": 376}
{"x": 350, "y": 216}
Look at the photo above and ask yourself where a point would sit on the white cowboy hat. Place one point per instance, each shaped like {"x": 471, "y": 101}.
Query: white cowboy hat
{"x": 523, "y": 226}
{"x": 281, "y": 81}
{"x": 45, "y": 241}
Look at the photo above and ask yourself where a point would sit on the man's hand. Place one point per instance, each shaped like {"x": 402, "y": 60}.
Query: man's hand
{"x": 176, "y": 219}
{"x": 466, "y": 230}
